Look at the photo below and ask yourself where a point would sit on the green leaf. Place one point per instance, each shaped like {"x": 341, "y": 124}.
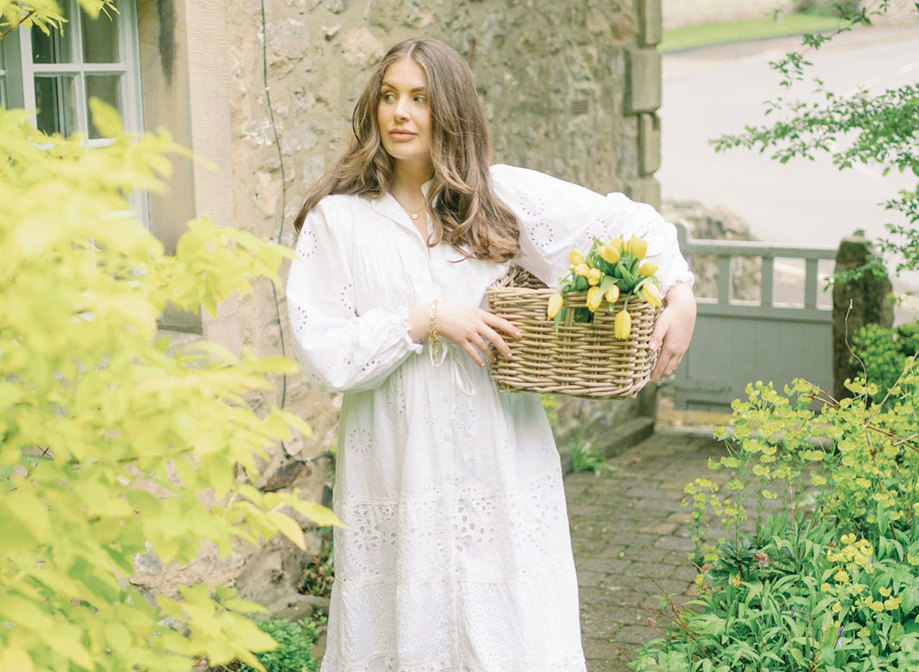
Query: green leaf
{"x": 105, "y": 118}
{"x": 289, "y": 527}
{"x": 14, "y": 659}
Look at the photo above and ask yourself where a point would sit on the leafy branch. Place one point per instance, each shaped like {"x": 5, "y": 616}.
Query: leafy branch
{"x": 864, "y": 128}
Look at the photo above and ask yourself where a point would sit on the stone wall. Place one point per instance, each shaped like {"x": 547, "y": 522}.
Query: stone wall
{"x": 569, "y": 89}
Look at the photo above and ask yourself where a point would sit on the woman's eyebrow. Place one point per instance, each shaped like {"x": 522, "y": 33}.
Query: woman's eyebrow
{"x": 393, "y": 86}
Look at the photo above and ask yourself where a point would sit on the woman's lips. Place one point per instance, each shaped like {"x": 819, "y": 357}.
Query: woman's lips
{"x": 401, "y": 135}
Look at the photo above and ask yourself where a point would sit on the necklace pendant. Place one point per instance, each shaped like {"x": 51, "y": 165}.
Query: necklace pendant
{"x": 414, "y": 215}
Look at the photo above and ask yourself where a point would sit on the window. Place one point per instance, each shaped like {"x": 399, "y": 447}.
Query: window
{"x": 55, "y": 75}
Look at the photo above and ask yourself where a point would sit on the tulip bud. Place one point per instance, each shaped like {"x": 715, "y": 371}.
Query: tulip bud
{"x": 612, "y": 294}
{"x": 648, "y": 269}
{"x": 594, "y": 276}
{"x": 622, "y": 325}
{"x": 575, "y": 257}
{"x": 581, "y": 269}
{"x": 652, "y": 294}
{"x": 609, "y": 254}
{"x": 617, "y": 244}
{"x": 637, "y": 246}
{"x": 594, "y": 298}
{"x": 555, "y": 304}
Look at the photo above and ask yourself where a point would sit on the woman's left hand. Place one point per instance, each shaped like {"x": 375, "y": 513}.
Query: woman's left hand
{"x": 673, "y": 330}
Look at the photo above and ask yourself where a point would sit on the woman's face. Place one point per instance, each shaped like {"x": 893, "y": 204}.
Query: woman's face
{"x": 404, "y": 113}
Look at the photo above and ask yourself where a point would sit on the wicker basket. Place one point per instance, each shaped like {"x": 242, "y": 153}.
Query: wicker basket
{"x": 576, "y": 358}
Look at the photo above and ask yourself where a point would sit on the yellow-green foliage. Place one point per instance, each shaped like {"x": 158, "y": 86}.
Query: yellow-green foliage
{"x": 110, "y": 437}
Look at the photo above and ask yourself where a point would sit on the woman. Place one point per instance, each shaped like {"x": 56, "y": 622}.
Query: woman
{"x": 456, "y": 553}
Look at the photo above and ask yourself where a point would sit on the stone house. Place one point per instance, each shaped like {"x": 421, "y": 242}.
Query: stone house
{"x": 263, "y": 90}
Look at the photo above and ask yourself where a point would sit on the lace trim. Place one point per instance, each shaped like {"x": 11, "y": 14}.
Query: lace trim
{"x": 485, "y": 537}
{"x": 387, "y": 662}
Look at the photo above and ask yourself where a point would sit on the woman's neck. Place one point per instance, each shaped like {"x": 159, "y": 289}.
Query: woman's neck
{"x": 408, "y": 177}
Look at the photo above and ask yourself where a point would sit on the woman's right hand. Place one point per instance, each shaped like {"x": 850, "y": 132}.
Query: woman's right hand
{"x": 469, "y": 327}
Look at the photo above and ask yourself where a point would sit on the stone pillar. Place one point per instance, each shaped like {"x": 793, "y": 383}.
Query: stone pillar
{"x": 856, "y": 303}
{"x": 644, "y": 99}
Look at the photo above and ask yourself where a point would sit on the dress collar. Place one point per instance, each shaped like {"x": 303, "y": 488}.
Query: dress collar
{"x": 389, "y": 207}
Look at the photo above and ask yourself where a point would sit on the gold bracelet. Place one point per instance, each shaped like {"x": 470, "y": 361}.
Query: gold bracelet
{"x": 432, "y": 328}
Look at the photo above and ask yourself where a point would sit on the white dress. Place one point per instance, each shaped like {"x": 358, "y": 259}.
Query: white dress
{"x": 456, "y": 554}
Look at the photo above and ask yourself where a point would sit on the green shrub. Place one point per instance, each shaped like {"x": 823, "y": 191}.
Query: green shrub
{"x": 295, "y": 642}
{"x": 884, "y": 352}
{"x": 828, "y": 580}
{"x": 586, "y": 457}
{"x": 113, "y": 440}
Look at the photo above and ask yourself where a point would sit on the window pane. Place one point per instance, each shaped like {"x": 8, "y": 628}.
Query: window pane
{"x": 54, "y": 98}
{"x": 108, "y": 89}
{"x": 57, "y": 46}
{"x": 100, "y": 39}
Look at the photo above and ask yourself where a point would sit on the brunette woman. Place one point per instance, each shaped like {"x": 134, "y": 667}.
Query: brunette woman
{"x": 456, "y": 553}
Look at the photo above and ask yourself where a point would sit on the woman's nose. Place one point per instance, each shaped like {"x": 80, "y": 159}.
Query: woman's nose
{"x": 401, "y": 111}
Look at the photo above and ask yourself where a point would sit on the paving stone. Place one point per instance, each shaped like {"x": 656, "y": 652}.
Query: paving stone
{"x": 631, "y": 540}
{"x": 590, "y": 579}
{"x": 636, "y": 634}
{"x": 654, "y": 527}
{"x": 675, "y": 543}
{"x": 602, "y": 648}
{"x": 605, "y": 665}
{"x": 603, "y": 564}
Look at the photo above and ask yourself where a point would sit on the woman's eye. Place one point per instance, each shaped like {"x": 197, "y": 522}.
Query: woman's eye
{"x": 389, "y": 97}
{"x": 421, "y": 99}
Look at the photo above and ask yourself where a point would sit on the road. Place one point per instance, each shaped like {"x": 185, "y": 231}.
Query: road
{"x": 716, "y": 90}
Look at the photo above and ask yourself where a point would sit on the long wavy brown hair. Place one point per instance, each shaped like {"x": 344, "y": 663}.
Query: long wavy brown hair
{"x": 465, "y": 212}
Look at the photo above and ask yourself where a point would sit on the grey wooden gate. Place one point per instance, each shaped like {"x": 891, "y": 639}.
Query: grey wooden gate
{"x": 737, "y": 342}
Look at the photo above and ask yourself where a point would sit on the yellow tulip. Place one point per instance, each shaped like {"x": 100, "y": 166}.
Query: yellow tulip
{"x": 555, "y": 304}
{"x": 637, "y": 246}
{"x": 622, "y": 325}
{"x": 616, "y": 244}
{"x": 594, "y": 298}
{"x": 648, "y": 269}
{"x": 612, "y": 294}
{"x": 575, "y": 257}
{"x": 594, "y": 276}
{"x": 652, "y": 294}
{"x": 609, "y": 254}
{"x": 581, "y": 269}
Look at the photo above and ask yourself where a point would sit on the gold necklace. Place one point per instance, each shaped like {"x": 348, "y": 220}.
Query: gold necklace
{"x": 412, "y": 213}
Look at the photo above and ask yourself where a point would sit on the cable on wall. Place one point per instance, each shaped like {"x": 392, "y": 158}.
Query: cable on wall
{"x": 277, "y": 144}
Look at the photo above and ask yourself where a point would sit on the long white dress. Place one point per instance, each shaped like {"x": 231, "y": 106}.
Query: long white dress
{"x": 456, "y": 554}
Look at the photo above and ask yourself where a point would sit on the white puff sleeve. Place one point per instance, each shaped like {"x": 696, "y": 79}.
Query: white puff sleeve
{"x": 557, "y": 216}
{"x": 339, "y": 350}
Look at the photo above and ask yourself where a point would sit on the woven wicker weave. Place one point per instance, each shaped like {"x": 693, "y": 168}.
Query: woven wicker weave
{"x": 577, "y": 359}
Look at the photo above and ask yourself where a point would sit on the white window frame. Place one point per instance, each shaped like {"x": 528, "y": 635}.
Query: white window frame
{"x": 19, "y": 76}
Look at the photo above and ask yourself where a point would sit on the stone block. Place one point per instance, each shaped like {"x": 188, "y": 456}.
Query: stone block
{"x": 644, "y": 81}
{"x": 645, "y": 190}
{"x": 650, "y": 22}
{"x": 649, "y": 143}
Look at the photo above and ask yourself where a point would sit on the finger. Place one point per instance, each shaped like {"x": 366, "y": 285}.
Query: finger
{"x": 501, "y": 324}
{"x": 658, "y": 369}
{"x": 499, "y": 343}
{"x": 474, "y": 354}
{"x": 479, "y": 342}
{"x": 659, "y": 332}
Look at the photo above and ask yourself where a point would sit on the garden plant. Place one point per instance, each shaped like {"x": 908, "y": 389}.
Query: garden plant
{"x": 817, "y": 565}
{"x": 113, "y": 440}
